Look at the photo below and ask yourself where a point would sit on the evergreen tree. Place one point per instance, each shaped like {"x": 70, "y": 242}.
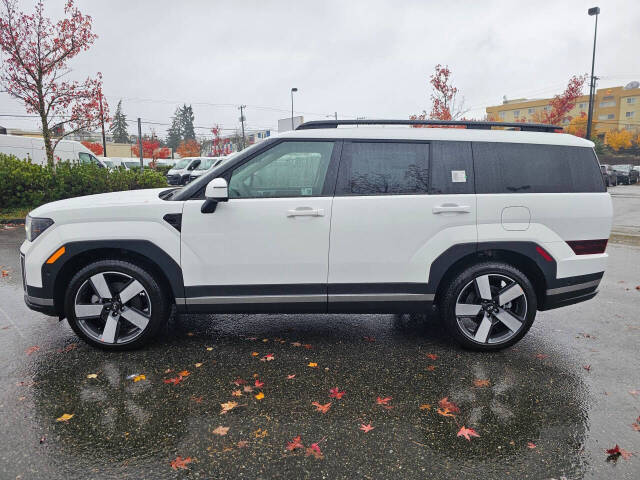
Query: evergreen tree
{"x": 119, "y": 126}
{"x": 186, "y": 114}
{"x": 174, "y": 134}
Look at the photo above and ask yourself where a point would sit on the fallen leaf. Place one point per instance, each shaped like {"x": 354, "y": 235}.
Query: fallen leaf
{"x": 65, "y": 417}
{"x": 335, "y": 393}
{"x": 239, "y": 381}
{"x": 92, "y": 375}
{"x": 242, "y": 444}
{"x": 432, "y": 356}
{"x": 209, "y": 349}
{"x": 236, "y": 393}
{"x": 431, "y": 368}
{"x": 265, "y": 340}
{"x": 425, "y": 406}
{"x": 267, "y": 358}
{"x": 445, "y": 412}
{"x": 467, "y": 433}
{"x": 190, "y": 334}
{"x": 531, "y": 445}
{"x": 174, "y": 381}
{"x": 366, "y": 428}
{"x": 541, "y": 356}
{"x": 369, "y": 339}
{"x": 248, "y": 389}
{"x": 481, "y": 383}
{"x": 636, "y": 425}
{"x": 227, "y": 407}
{"x": 635, "y": 393}
{"x": 222, "y": 431}
{"x": 68, "y": 348}
{"x": 294, "y": 444}
{"x": 196, "y": 399}
{"x": 322, "y": 408}
{"x": 259, "y": 384}
{"x": 184, "y": 373}
{"x": 180, "y": 462}
{"x": 315, "y": 451}
{"x": 616, "y": 452}
{"x": 198, "y": 365}
{"x": 587, "y": 367}
{"x": 291, "y": 377}
{"x": 253, "y": 339}
{"x": 42, "y": 440}
{"x": 33, "y": 349}
{"x": 312, "y": 364}
{"x": 307, "y": 346}
{"x": 259, "y": 433}
{"x": 168, "y": 370}
{"x": 254, "y": 354}
{"x": 137, "y": 378}
{"x": 448, "y": 405}
{"x": 259, "y": 396}
{"x": 384, "y": 402}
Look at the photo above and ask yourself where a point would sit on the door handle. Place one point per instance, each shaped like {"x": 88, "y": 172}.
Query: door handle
{"x": 306, "y": 212}
{"x": 451, "y": 207}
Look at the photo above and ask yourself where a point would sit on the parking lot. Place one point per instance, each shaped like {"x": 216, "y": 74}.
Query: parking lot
{"x": 547, "y": 408}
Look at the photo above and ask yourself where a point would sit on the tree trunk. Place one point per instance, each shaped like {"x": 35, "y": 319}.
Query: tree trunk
{"x": 46, "y": 133}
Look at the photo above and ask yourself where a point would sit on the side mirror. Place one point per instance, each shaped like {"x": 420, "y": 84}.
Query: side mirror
{"x": 217, "y": 190}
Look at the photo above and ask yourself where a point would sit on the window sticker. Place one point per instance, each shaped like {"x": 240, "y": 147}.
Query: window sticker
{"x": 458, "y": 176}
{"x": 306, "y": 191}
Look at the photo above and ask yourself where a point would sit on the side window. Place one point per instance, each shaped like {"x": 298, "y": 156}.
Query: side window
{"x": 384, "y": 168}
{"x": 527, "y": 168}
{"x": 289, "y": 169}
{"x": 451, "y": 168}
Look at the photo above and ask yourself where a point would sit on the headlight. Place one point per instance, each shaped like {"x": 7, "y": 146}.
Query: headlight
{"x": 35, "y": 226}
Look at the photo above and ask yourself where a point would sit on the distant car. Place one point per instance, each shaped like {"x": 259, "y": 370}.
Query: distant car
{"x": 32, "y": 148}
{"x": 205, "y": 165}
{"x": 179, "y": 174}
{"x": 626, "y": 174}
{"x": 609, "y": 175}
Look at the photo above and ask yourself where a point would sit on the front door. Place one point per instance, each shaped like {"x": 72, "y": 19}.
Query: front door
{"x": 267, "y": 247}
{"x": 398, "y": 206}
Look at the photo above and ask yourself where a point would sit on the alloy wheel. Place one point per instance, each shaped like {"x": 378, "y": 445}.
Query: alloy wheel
{"x": 491, "y": 309}
{"x": 112, "y": 307}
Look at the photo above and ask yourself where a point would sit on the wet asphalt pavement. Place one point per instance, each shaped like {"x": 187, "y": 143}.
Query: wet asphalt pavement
{"x": 551, "y": 407}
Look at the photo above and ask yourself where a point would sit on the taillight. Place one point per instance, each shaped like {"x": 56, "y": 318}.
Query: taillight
{"x": 588, "y": 247}
{"x": 543, "y": 253}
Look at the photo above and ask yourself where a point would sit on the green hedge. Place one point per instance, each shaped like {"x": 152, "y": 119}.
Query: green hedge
{"x": 23, "y": 184}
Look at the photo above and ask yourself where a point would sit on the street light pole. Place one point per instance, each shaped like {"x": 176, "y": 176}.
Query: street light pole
{"x": 292, "y": 90}
{"x": 592, "y": 87}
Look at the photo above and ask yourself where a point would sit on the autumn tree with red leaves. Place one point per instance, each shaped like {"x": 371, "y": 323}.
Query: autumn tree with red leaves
{"x": 36, "y": 52}
{"x": 562, "y": 104}
{"x": 443, "y": 97}
{"x": 96, "y": 148}
{"x": 189, "y": 148}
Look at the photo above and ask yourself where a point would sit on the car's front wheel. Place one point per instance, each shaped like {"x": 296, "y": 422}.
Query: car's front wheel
{"x": 488, "y": 306}
{"x": 115, "y": 305}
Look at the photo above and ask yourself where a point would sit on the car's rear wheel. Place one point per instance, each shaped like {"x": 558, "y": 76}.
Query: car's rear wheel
{"x": 488, "y": 306}
{"x": 115, "y": 305}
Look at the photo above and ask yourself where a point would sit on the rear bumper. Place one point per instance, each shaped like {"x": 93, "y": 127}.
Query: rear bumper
{"x": 571, "y": 290}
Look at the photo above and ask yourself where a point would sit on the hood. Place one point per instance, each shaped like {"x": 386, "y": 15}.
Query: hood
{"x": 89, "y": 203}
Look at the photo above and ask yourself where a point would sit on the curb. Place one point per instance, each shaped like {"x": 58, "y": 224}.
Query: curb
{"x": 625, "y": 238}
{"x": 13, "y": 221}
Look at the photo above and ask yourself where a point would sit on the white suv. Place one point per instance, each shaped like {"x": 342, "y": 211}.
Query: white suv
{"x": 488, "y": 226}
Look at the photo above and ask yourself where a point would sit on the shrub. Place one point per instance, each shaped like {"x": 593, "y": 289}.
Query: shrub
{"x": 23, "y": 184}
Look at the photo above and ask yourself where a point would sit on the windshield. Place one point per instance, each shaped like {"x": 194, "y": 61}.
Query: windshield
{"x": 108, "y": 163}
{"x": 622, "y": 168}
{"x": 206, "y": 163}
{"x": 132, "y": 164}
{"x": 182, "y": 164}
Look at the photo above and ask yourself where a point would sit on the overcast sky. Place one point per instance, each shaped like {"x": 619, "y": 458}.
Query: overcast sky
{"x": 358, "y": 58}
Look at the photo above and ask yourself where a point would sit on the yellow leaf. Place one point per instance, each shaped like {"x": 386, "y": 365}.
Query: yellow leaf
{"x": 184, "y": 373}
{"x": 312, "y": 364}
{"x": 254, "y": 354}
{"x": 137, "y": 378}
{"x": 65, "y": 417}
{"x": 260, "y": 396}
{"x": 209, "y": 349}
{"x": 425, "y": 406}
{"x": 259, "y": 433}
{"x": 228, "y": 406}
{"x": 92, "y": 375}
{"x": 198, "y": 365}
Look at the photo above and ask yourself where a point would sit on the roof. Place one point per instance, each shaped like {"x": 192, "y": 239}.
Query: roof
{"x": 450, "y": 134}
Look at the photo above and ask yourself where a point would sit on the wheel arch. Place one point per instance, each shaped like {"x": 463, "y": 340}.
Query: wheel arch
{"x": 522, "y": 255}
{"x": 143, "y": 253}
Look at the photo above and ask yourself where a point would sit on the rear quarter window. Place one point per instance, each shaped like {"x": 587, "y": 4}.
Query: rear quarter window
{"x": 533, "y": 168}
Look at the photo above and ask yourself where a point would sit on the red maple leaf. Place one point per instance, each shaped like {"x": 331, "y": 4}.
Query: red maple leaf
{"x": 616, "y": 452}
{"x": 445, "y": 404}
{"x": 291, "y": 377}
{"x": 366, "y": 428}
{"x": 295, "y": 443}
{"x": 531, "y": 445}
{"x": 180, "y": 462}
{"x": 383, "y": 401}
{"x": 259, "y": 384}
{"x": 322, "y": 408}
{"x": 467, "y": 433}
{"x": 432, "y": 356}
{"x": 314, "y": 450}
{"x": 30, "y": 350}
{"x": 239, "y": 381}
{"x": 267, "y": 358}
{"x": 636, "y": 425}
{"x": 335, "y": 393}
{"x": 175, "y": 380}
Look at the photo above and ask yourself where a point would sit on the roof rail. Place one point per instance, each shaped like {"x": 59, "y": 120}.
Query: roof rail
{"x": 480, "y": 125}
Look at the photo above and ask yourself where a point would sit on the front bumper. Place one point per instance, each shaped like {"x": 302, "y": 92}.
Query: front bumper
{"x": 42, "y": 305}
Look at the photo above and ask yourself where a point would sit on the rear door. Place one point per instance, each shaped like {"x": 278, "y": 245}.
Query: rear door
{"x": 398, "y": 206}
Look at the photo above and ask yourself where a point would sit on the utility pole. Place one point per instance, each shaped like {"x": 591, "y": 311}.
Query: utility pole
{"x": 595, "y": 11}
{"x": 104, "y": 141}
{"x": 294, "y": 89}
{"x": 140, "y": 143}
{"x": 336, "y": 115}
{"x": 241, "y": 108}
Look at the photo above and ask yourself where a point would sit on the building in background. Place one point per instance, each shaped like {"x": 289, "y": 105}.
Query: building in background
{"x": 284, "y": 124}
{"x": 615, "y": 108}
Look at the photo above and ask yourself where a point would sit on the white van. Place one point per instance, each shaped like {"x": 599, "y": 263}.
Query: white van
{"x": 179, "y": 174}
{"x": 32, "y": 148}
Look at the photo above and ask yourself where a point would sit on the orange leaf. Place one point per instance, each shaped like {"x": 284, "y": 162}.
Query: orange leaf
{"x": 221, "y": 430}
{"x": 259, "y": 396}
{"x": 227, "y": 407}
{"x": 314, "y": 450}
{"x": 267, "y": 358}
{"x": 335, "y": 393}
{"x": 383, "y": 401}
{"x": 295, "y": 443}
{"x": 445, "y": 412}
{"x": 366, "y": 428}
{"x": 184, "y": 373}
{"x": 467, "y": 433}
{"x": 322, "y": 408}
{"x": 481, "y": 383}
{"x": 259, "y": 384}
{"x": 445, "y": 404}
{"x": 30, "y": 350}
{"x": 312, "y": 364}
{"x": 180, "y": 462}
{"x": 432, "y": 356}
{"x": 425, "y": 406}
{"x": 236, "y": 393}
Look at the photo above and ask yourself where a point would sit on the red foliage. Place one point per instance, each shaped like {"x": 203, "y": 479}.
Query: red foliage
{"x": 95, "y": 147}
{"x": 36, "y": 52}
{"x": 148, "y": 149}
{"x": 444, "y": 94}
{"x": 188, "y": 148}
{"x": 563, "y": 103}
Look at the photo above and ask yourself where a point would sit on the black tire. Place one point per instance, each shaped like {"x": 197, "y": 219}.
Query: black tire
{"x": 154, "y": 298}
{"x": 462, "y": 281}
